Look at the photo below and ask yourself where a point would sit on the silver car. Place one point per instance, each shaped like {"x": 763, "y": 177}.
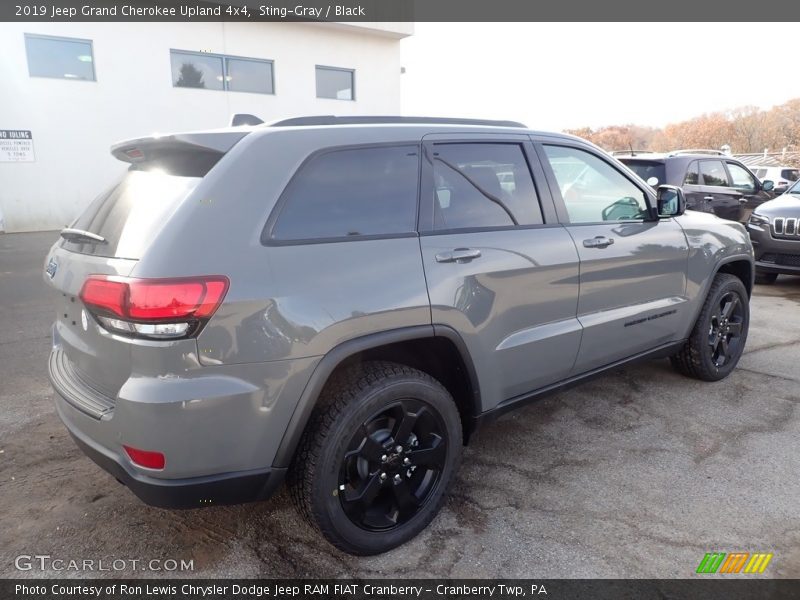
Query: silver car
{"x": 342, "y": 302}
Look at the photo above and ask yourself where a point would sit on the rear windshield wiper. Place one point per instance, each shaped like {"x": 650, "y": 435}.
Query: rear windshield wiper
{"x": 81, "y": 236}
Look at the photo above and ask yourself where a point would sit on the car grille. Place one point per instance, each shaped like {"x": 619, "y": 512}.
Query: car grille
{"x": 784, "y": 260}
{"x": 76, "y": 389}
{"x": 785, "y": 228}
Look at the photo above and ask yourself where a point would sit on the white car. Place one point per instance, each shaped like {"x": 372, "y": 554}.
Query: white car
{"x": 782, "y": 177}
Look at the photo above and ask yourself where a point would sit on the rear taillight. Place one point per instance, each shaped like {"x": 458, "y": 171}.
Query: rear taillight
{"x": 153, "y": 308}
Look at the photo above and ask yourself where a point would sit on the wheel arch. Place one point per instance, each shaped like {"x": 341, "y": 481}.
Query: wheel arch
{"x": 741, "y": 267}
{"x": 435, "y": 349}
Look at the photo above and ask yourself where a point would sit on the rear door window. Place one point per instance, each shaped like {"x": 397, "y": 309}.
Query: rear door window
{"x": 712, "y": 173}
{"x": 481, "y": 185}
{"x": 370, "y": 191}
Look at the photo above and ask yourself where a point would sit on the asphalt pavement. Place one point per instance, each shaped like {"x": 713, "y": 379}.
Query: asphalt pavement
{"x": 636, "y": 474}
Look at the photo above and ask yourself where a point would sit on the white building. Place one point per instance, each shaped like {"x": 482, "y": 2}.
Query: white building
{"x": 79, "y": 87}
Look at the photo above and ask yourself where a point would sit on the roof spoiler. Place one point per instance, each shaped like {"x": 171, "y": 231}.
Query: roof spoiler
{"x": 240, "y": 119}
{"x": 150, "y": 148}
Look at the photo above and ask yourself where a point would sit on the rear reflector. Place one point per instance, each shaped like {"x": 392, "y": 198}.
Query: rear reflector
{"x": 146, "y": 458}
{"x": 153, "y": 307}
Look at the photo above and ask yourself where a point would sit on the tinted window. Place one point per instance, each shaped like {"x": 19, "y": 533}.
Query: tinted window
{"x": 647, "y": 169}
{"x": 692, "y": 174}
{"x": 712, "y": 172}
{"x": 335, "y": 83}
{"x": 740, "y": 178}
{"x": 790, "y": 174}
{"x": 64, "y": 58}
{"x": 593, "y": 190}
{"x": 196, "y": 71}
{"x": 760, "y": 173}
{"x": 130, "y": 213}
{"x": 244, "y": 75}
{"x": 478, "y": 185}
{"x": 365, "y": 191}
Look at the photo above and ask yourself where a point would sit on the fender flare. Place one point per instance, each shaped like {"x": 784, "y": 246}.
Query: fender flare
{"x": 330, "y": 361}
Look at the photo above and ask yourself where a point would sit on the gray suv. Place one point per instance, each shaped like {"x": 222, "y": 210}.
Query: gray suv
{"x": 342, "y": 302}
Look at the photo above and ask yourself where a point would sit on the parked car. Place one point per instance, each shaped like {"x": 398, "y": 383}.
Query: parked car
{"x": 783, "y": 177}
{"x": 712, "y": 181}
{"x": 344, "y": 301}
{"x": 775, "y": 232}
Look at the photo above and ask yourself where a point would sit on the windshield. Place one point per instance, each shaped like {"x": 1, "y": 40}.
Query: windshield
{"x": 795, "y": 189}
{"x": 647, "y": 169}
{"x": 130, "y": 213}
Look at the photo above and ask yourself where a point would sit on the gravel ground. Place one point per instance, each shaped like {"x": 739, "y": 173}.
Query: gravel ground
{"x": 635, "y": 474}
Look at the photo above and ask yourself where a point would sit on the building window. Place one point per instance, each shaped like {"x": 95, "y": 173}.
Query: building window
{"x": 218, "y": 72}
{"x": 338, "y": 84}
{"x": 62, "y": 58}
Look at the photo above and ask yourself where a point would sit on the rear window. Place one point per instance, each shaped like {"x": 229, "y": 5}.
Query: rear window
{"x": 647, "y": 169}
{"x": 790, "y": 174}
{"x": 131, "y": 212}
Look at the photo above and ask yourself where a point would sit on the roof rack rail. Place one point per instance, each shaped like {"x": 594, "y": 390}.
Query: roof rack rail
{"x": 697, "y": 151}
{"x": 369, "y": 120}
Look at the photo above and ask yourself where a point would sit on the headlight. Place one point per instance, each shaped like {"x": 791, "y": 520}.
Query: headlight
{"x": 758, "y": 220}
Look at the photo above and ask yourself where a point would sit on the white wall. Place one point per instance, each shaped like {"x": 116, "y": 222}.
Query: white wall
{"x": 74, "y": 122}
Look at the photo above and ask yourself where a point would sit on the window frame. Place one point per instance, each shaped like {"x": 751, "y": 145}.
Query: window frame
{"x": 427, "y": 189}
{"x": 224, "y": 58}
{"x": 275, "y": 213}
{"x": 342, "y": 69}
{"x": 555, "y": 190}
{"x": 60, "y": 38}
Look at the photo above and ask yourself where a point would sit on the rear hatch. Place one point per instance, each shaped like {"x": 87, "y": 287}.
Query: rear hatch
{"x": 90, "y": 363}
{"x": 646, "y": 169}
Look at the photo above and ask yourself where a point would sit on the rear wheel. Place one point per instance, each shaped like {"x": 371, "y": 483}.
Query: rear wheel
{"x": 377, "y": 458}
{"x": 718, "y": 338}
{"x": 765, "y": 278}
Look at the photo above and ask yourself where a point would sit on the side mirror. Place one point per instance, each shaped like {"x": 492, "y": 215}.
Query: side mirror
{"x": 767, "y": 185}
{"x": 670, "y": 201}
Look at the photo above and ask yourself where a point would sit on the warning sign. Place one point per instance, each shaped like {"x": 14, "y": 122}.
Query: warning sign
{"x": 16, "y": 145}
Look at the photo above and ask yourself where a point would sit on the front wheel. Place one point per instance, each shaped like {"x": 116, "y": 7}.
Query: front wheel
{"x": 718, "y": 338}
{"x": 377, "y": 457}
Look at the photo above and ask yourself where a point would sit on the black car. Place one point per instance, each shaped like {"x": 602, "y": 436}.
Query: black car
{"x": 712, "y": 181}
{"x": 774, "y": 229}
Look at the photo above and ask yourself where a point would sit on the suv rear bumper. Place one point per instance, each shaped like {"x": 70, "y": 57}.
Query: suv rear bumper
{"x": 219, "y": 427}
{"x": 191, "y": 492}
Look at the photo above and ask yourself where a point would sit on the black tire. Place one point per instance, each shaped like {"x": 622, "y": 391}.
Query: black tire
{"x": 765, "y": 278}
{"x": 717, "y": 341}
{"x": 349, "y": 444}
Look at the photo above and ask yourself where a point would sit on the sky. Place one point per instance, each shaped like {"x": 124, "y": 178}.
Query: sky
{"x": 554, "y": 76}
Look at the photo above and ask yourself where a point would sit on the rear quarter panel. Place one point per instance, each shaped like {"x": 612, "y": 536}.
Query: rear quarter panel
{"x": 287, "y": 301}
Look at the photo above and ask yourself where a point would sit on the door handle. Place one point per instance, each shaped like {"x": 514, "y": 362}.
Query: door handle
{"x": 708, "y": 197}
{"x": 459, "y": 255}
{"x": 598, "y": 242}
